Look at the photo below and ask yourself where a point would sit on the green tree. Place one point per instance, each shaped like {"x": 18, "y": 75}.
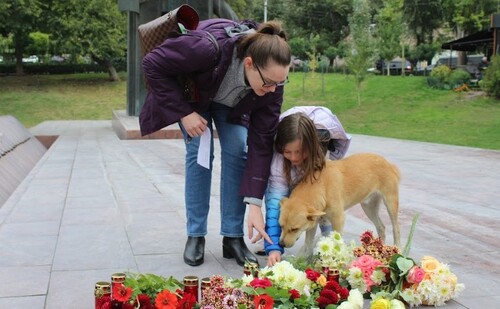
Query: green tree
{"x": 468, "y": 16}
{"x": 19, "y": 18}
{"x": 390, "y": 29}
{"x": 92, "y": 27}
{"x": 423, "y": 17}
{"x": 242, "y": 8}
{"x": 276, "y": 10}
{"x": 38, "y": 43}
{"x": 362, "y": 43}
{"x": 326, "y": 18}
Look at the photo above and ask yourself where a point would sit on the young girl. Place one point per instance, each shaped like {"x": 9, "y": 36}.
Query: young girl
{"x": 303, "y": 137}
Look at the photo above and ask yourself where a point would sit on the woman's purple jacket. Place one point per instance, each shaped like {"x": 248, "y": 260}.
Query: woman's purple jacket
{"x": 195, "y": 53}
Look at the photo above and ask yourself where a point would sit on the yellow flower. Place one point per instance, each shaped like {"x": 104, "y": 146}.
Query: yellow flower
{"x": 430, "y": 264}
{"x": 321, "y": 280}
{"x": 381, "y": 303}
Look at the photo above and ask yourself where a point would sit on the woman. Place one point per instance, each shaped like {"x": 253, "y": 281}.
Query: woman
{"x": 304, "y": 136}
{"x": 239, "y": 82}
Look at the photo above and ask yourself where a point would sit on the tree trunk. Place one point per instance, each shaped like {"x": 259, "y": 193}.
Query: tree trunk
{"x": 113, "y": 75}
{"x": 19, "y": 55}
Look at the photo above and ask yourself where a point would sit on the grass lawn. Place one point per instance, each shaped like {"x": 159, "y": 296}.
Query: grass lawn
{"x": 391, "y": 106}
{"x": 402, "y": 107}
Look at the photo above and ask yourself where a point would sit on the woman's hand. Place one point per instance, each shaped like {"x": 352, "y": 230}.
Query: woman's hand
{"x": 255, "y": 221}
{"x": 194, "y": 124}
{"x": 273, "y": 258}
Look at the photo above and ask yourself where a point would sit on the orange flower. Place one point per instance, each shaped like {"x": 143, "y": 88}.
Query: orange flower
{"x": 263, "y": 301}
{"x": 166, "y": 300}
{"x": 121, "y": 293}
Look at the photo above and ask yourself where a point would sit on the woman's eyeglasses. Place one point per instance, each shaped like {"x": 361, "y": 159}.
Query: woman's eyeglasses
{"x": 267, "y": 84}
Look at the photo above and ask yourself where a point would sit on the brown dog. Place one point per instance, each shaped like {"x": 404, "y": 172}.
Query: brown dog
{"x": 361, "y": 178}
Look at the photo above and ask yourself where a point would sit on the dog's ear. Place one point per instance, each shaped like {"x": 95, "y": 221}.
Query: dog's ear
{"x": 314, "y": 214}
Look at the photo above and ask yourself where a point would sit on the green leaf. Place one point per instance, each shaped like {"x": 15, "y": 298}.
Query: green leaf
{"x": 404, "y": 265}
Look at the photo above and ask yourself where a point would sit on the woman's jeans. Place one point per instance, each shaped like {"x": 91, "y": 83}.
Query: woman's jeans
{"x": 233, "y": 146}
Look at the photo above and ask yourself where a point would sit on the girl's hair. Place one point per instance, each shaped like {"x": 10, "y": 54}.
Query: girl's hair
{"x": 299, "y": 126}
{"x": 269, "y": 42}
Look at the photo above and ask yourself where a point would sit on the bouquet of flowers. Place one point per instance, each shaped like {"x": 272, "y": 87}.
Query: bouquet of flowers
{"x": 284, "y": 286}
{"x": 438, "y": 284}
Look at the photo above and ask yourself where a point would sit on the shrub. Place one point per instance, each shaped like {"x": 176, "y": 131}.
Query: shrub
{"x": 458, "y": 77}
{"x": 439, "y": 77}
{"x": 491, "y": 79}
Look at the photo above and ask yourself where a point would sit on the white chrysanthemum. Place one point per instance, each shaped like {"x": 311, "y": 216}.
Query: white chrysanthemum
{"x": 324, "y": 246}
{"x": 355, "y": 279}
{"x": 378, "y": 276}
{"x": 285, "y": 275}
{"x": 355, "y": 298}
{"x": 333, "y": 252}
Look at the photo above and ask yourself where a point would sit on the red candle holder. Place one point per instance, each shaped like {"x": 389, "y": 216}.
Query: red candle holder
{"x": 117, "y": 279}
{"x": 191, "y": 286}
{"x": 333, "y": 275}
{"x": 102, "y": 293}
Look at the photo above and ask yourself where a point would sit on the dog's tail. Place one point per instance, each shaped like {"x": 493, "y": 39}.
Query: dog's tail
{"x": 396, "y": 171}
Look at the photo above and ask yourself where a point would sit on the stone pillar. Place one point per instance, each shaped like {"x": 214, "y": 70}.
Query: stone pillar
{"x": 142, "y": 11}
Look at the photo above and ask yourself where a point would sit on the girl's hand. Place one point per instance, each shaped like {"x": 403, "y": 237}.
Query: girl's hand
{"x": 255, "y": 221}
{"x": 194, "y": 124}
{"x": 273, "y": 258}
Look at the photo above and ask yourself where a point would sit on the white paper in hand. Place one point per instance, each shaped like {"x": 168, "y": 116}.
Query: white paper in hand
{"x": 204, "y": 149}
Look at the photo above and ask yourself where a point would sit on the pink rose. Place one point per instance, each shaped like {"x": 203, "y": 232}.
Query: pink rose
{"x": 415, "y": 275}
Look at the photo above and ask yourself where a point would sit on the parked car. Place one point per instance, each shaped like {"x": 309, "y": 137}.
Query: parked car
{"x": 394, "y": 67}
{"x": 31, "y": 59}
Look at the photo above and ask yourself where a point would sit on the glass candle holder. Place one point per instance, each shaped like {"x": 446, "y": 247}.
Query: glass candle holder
{"x": 333, "y": 275}
{"x": 205, "y": 284}
{"x": 191, "y": 286}
{"x": 102, "y": 293}
{"x": 117, "y": 279}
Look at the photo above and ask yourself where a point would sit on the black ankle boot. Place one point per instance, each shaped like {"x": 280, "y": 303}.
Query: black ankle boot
{"x": 235, "y": 247}
{"x": 194, "y": 252}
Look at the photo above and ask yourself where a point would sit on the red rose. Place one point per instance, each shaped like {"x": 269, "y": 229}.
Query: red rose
{"x": 294, "y": 294}
{"x": 261, "y": 283}
{"x": 312, "y": 275}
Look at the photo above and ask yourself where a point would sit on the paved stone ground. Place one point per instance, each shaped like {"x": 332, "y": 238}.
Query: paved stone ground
{"x": 95, "y": 205}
